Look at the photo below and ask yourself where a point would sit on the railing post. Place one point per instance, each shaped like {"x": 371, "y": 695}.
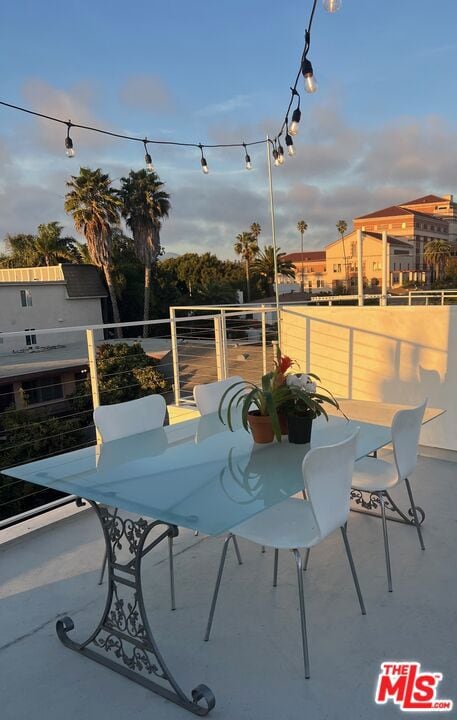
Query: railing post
{"x": 92, "y": 355}
{"x": 224, "y": 344}
{"x": 219, "y": 347}
{"x": 264, "y": 341}
{"x": 409, "y": 297}
{"x": 174, "y": 355}
{"x": 442, "y": 297}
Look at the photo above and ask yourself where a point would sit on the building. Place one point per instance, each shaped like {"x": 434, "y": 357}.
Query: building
{"x": 39, "y": 368}
{"x": 309, "y": 265}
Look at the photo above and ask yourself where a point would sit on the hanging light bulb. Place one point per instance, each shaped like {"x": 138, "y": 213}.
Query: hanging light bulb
{"x": 247, "y": 158}
{"x": 296, "y": 117}
{"x": 69, "y": 143}
{"x": 290, "y": 145}
{"x": 332, "y": 6}
{"x": 276, "y": 156}
{"x": 307, "y": 72}
{"x": 204, "y": 164}
{"x": 147, "y": 158}
{"x": 280, "y": 154}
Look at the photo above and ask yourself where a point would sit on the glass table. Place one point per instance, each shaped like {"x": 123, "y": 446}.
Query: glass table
{"x": 196, "y": 474}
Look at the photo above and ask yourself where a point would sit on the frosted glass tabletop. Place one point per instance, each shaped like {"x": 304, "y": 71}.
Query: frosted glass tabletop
{"x": 197, "y": 474}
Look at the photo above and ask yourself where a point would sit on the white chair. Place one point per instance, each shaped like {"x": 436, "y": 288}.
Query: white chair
{"x": 129, "y": 418}
{"x": 208, "y": 398}
{"x": 296, "y": 523}
{"x": 373, "y": 475}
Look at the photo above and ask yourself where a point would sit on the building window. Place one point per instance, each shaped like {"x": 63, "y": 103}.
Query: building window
{"x": 42, "y": 390}
{"x": 403, "y": 226}
{"x": 353, "y": 249}
{"x": 30, "y": 337}
{"x": 26, "y": 298}
{"x": 337, "y": 267}
{"x": 363, "y": 228}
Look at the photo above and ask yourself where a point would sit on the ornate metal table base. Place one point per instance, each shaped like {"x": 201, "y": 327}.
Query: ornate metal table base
{"x": 369, "y": 503}
{"x": 123, "y": 640}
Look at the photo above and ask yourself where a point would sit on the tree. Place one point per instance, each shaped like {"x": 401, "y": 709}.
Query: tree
{"x": 302, "y": 226}
{"x": 264, "y": 264}
{"x": 342, "y": 226}
{"x": 94, "y": 206}
{"x": 144, "y": 205}
{"x": 247, "y": 247}
{"x": 45, "y": 248}
{"x": 436, "y": 252}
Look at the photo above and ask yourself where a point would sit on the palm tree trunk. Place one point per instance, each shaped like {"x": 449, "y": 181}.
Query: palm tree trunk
{"x": 113, "y": 298}
{"x": 346, "y": 279}
{"x": 147, "y": 298}
{"x": 302, "y": 284}
{"x": 248, "y": 285}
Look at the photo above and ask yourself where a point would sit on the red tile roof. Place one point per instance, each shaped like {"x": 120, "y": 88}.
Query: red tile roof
{"x": 308, "y": 256}
{"x": 386, "y": 212}
{"x": 426, "y": 199}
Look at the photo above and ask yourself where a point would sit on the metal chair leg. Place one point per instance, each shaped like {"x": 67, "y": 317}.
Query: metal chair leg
{"x": 301, "y": 596}
{"x": 237, "y": 550}
{"x": 414, "y": 511}
{"x": 275, "y": 568}
{"x": 172, "y": 572}
{"x": 353, "y": 571}
{"x": 305, "y": 566}
{"x": 216, "y": 589}
{"x": 386, "y": 540}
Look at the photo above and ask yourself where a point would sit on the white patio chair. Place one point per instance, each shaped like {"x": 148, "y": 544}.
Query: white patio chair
{"x": 208, "y": 397}
{"x": 128, "y": 418}
{"x": 296, "y": 523}
{"x": 373, "y": 475}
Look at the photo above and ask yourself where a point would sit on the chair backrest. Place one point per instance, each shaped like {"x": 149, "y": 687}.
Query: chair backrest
{"x": 131, "y": 417}
{"x": 406, "y": 427}
{"x": 327, "y": 472}
{"x": 208, "y": 396}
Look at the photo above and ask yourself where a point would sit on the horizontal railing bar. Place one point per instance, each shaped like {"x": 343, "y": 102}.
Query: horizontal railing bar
{"x": 14, "y": 519}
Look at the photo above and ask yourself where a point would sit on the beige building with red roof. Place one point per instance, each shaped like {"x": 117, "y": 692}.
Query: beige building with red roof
{"x": 310, "y": 268}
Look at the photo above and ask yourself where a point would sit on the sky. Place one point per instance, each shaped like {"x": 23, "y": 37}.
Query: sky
{"x": 382, "y": 128}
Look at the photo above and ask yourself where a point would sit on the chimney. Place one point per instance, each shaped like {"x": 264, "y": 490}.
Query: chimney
{"x": 449, "y": 197}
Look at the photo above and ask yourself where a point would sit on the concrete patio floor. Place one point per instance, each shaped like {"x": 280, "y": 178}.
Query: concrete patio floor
{"x": 253, "y": 662}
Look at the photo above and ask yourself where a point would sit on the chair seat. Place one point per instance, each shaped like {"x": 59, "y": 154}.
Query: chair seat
{"x": 373, "y": 474}
{"x": 290, "y": 524}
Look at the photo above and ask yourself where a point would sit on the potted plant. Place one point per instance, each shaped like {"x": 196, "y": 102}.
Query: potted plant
{"x": 262, "y": 406}
{"x": 304, "y": 402}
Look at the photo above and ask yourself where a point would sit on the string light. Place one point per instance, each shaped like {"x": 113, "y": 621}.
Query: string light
{"x": 305, "y": 69}
{"x": 290, "y": 145}
{"x": 70, "y": 151}
{"x": 247, "y": 158}
{"x": 307, "y": 72}
{"x": 332, "y": 6}
{"x": 147, "y": 157}
{"x": 204, "y": 164}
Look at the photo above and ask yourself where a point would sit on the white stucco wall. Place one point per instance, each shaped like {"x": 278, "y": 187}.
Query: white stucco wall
{"x": 50, "y": 308}
{"x": 390, "y": 354}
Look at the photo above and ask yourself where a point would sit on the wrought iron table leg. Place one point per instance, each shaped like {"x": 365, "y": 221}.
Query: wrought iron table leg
{"x": 368, "y": 503}
{"x": 123, "y": 639}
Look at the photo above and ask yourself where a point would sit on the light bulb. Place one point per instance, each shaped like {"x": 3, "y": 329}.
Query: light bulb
{"x": 280, "y": 154}
{"x": 276, "y": 157}
{"x": 69, "y": 147}
{"x": 149, "y": 165}
{"x": 332, "y": 6}
{"x": 248, "y": 163}
{"x": 290, "y": 145}
{"x": 296, "y": 116}
{"x": 310, "y": 81}
{"x": 204, "y": 166}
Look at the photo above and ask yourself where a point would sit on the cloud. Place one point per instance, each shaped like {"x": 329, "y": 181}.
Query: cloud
{"x": 226, "y": 106}
{"x": 146, "y": 92}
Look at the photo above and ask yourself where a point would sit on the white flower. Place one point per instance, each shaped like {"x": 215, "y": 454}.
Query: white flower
{"x": 303, "y": 381}
{"x": 293, "y": 380}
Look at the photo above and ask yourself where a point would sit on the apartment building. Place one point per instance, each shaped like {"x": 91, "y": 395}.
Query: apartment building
{"x": 310, "y": 269}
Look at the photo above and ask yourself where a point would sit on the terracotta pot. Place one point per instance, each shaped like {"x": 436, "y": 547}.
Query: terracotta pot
{"x": 261, "y": 428}
{"x": 300, "y": 427}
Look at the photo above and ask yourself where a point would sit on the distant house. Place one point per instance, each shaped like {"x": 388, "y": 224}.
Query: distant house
{"x": 39, "y": 368}
{"x": 310, "y": 267}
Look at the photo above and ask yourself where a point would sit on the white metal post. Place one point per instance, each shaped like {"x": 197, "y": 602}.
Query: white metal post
{"x": 273, "y": 236}
{"x": 219, "y": 347}
{"x": 174, "y": 354}
{"x": 92, "y": 355}
{"x": 359, "y": 267}
{"x": 384, "y": 269}
{"x": 224, "y": 344}
{"x": 264, "y": 341}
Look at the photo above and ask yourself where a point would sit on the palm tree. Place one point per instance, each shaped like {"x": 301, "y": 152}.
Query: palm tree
{"x": 255, "y": 231}
{"x": 246, "y": 246}
{"x": 50, "y": 247}
{"x": 302, "y": 226}
{"x": 82, "y": 253}
{"x": 436, "y": 253}
{"x": 144, "y": 205}
{"x": 264, "y": 264}
{"x": 342, "y": 226}
{"x": 94, "y": 206}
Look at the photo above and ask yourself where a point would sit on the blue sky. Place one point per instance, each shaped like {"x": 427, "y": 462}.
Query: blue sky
{"x": 381, "y": 128}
